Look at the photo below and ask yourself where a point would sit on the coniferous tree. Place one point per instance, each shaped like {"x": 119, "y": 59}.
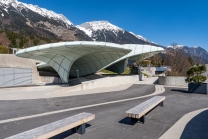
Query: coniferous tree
{"x": 195, "y": 74}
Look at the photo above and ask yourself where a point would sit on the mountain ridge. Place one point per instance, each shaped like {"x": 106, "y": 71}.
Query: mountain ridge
{"x": 35, "y": 8}
{"x": 48, "y": 26}
{"x": 105, "y": 31}
{"x": 25, "y": 25}
{"x": 196, "y": 52}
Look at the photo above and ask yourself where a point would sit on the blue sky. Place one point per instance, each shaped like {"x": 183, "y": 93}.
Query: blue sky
{"x": 162, "y": 21}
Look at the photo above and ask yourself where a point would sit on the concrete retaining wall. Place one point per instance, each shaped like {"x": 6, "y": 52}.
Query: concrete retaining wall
{"x": 12, "y": 61}
{"x": 154, "y": 71}
{"x": 105, "y": 82}
{"x": 149, "y": 70}
{"x": 172, "y": 80}
{"x": 48, "y": 79}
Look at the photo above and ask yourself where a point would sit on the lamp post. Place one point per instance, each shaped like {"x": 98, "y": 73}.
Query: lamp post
{"x": 77, "y": 73}
{"x": 139, "y": 73}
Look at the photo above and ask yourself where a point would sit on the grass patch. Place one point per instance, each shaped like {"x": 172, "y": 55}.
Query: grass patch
{"x": 144, "y": 74}
{"x": 107, "y": 71}
{"x": 127, "y": 71}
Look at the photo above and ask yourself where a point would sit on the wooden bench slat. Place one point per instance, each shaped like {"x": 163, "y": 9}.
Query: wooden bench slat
{"x": 141, "y": 109}
{"x": 55, "y": 128}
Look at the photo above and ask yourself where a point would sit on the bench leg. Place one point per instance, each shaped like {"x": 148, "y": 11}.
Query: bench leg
{"x": 134, "y": 119}
{"x": 142, "y": 119}
{"x": 80, "y": 129}
{"x": 161, "y": 104}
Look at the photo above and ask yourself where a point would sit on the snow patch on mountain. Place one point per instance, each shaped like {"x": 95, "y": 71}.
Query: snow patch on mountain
{"x": 87, "y": 31}
{"x": 42, "y": 11}
{"x": 90, "y": 27}
{"x": 196, "y": 47}
{"x": 141, "y": 38}
{"x": 7, "y": 1}
{"x": 177, "y": 47}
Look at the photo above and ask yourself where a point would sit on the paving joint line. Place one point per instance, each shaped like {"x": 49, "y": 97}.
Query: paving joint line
{"x": 83, "y": 107}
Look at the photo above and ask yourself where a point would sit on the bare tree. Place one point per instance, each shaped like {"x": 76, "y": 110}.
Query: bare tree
{"x": 173, "y": 44}
{"x": 178, "y": 61}
{"x": 157, "y": 60}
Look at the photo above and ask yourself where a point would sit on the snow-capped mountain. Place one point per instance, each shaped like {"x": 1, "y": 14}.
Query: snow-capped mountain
{"x": 196, "y": 52}
{"x": 19, "y": 6}
{"x": 25, "y": 25}
{"x": 90, "y": 27}
{"x": 105, "y": 31}
{"x": 142, "y": 38}
{"x": 139, "y": 36}
{"x": 176, "y": 46}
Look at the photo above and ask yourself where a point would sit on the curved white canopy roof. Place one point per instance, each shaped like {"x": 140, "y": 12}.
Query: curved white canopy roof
{"x": 86, "y": 56}
{"x": 138, "y": 50}
{"x": 90, "y": 57}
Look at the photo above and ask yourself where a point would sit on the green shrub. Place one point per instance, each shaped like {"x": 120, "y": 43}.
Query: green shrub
{"x": 194, "y": 74}
{"x": 4, "y": 50}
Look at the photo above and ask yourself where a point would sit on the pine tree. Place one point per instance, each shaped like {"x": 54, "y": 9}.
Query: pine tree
{"x": 195, "y": 74}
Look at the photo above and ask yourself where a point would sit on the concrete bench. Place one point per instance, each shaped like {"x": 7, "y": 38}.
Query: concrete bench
{"x": 76, "y": 123}
{"x": 139, "y": 111}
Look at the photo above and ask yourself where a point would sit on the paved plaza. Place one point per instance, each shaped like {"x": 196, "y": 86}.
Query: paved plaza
{"x": 109, "y": 108}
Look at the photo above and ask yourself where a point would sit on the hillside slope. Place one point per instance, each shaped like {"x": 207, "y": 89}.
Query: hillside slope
{"x": 105, "y": 31}
{"x": 25, "y": 25}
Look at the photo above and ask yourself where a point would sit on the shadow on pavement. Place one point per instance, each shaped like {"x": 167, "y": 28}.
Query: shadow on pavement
{"x": 66, "y": 133}
{"x": 180, "y": 90}
{"x": 128, "y": 121}
{"x": 156, "y": 82}
{"x": 197, "y": 128}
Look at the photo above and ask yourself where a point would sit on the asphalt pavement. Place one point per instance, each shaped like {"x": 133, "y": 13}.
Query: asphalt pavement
{"x": 110, "y": 120}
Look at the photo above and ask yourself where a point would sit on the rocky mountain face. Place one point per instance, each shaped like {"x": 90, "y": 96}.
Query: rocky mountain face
{"x": 105, "y": 31}
{"x": 24, "y": 25}
{"x": 198, "y": 53}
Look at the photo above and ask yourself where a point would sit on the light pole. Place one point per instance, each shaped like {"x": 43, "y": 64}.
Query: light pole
{"x": 77, "y": 73}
